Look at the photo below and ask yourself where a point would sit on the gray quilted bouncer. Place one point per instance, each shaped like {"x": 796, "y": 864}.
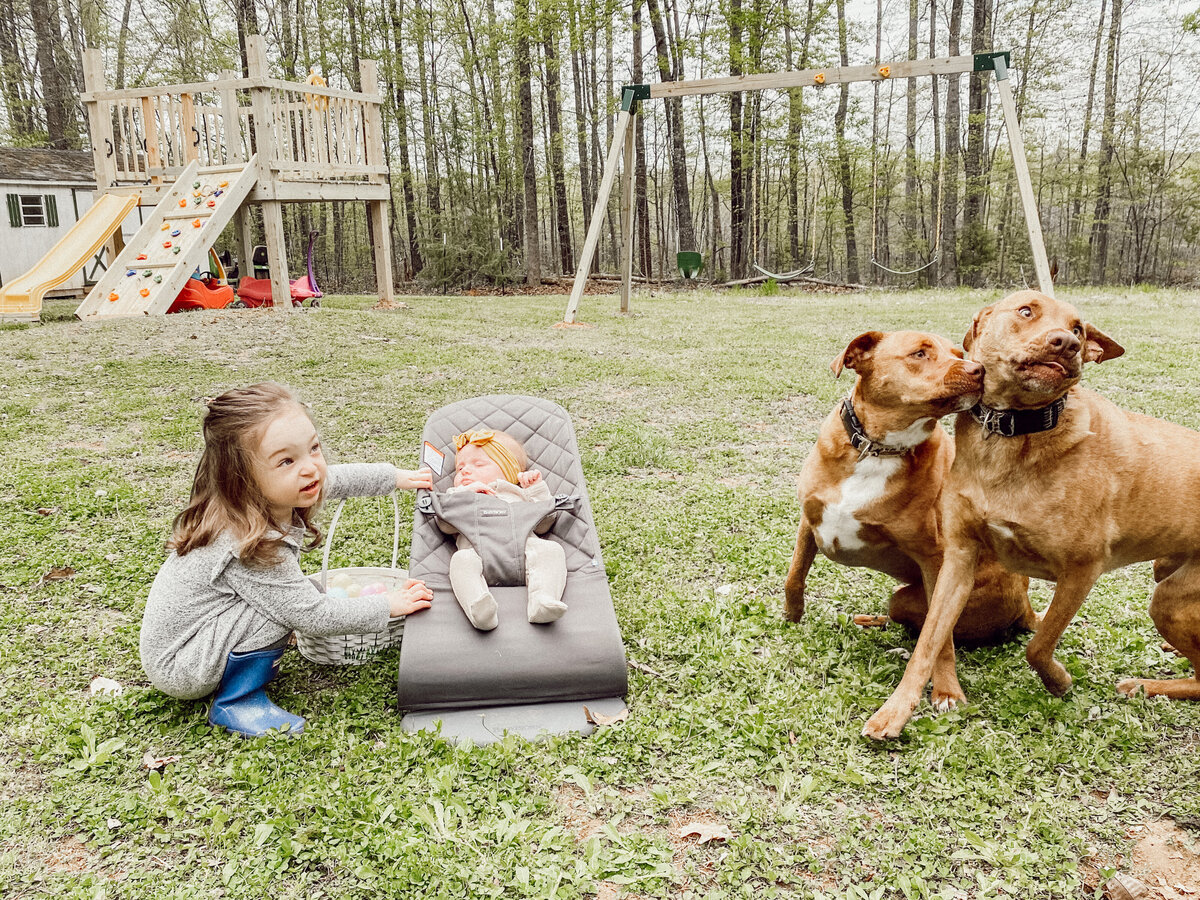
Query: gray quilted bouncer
{"x": 531, "y": 680}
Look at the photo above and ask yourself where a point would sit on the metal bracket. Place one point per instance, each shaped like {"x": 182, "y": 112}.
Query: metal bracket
{"x": 631, "y": 94}
{"x": 986, "y": 62}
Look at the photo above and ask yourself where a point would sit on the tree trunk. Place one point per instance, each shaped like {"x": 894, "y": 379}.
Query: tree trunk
{"x": 1075, "y": 226}
{"x": 56, "y": 88}
{"x": 15, "y": 82}
{"x": 978, "y": 247}
{"x": 533, "y": 258}
{"x": 929, "y": 276}
{"x": 642, "y": 255}
{"x": 737, "y": 200}
{"x": 911, "y": 189}
{"x": 948, "y": 239}
{"x": 396, "y": 8}
{"x": 839, "y": 125}
{"x": 1100, "y": 224}
{"x": 669, "y": 70}
{"x": 562, "y": 219}
{"x": 433, "y": 193}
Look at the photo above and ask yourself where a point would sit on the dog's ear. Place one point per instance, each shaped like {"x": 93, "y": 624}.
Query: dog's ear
{"x": 857, "y": 352}
{"x": 1098, "y": 346}
{"x": 968, "y": 340}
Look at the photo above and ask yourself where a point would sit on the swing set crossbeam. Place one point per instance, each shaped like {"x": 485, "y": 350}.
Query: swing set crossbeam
{"x": 631, "y": 95}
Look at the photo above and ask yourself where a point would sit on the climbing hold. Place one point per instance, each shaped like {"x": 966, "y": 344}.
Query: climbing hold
{"x": 147, "y": 273}
{"x": 197, "y": 201}
{"x": 819, "y": 78}
{"x": 183, "y": 202}
{"x": 165, "y": 226}
{"x": 158, "y": 279}
{"x": 217, "y": 193}
{"x": 885, "y": 71}
{"x": 197, "y": 194}
{"x": 145, "y": 292}
{"x": 114, "y": 297}
{"x": 175, "y": 233}
{"x": 197, "y": 223}
{"x": 130, "y": 273}
{"x": 195, "y": 184}
{"x": 176, "y": 249}
{"x": 141, "y": 256}
{"x": 223, "y": 184}
{"x": 166, "y": 245}
{"x": 212, "y": 203}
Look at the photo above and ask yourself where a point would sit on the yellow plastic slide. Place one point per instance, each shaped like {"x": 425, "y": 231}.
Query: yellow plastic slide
{"x": 21, "y": 298}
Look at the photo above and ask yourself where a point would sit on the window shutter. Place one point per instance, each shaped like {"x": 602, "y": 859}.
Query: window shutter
{"x": 14, "y": 211}
{"x": 51, "y": 211}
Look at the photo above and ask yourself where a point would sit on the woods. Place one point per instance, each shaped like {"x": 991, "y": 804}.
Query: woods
{"x": 498, "y": 119}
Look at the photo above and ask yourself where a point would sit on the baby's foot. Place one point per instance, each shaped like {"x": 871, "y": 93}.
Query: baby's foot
{"x": 543, "y": 609}
{"x": 482, "y": 613}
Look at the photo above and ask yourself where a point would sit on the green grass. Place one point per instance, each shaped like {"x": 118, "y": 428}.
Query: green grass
{"x": 694, "y": 415}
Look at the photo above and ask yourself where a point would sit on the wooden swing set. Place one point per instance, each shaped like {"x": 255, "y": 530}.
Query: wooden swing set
{"x": 633, "y": 94}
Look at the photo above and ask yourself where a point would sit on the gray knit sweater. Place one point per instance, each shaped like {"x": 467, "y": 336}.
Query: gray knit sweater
{"x": 208, "y": 603}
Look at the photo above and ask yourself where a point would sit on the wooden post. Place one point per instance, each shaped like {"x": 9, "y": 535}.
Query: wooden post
{"x": 597, "y": 222}
{"x": 264, "y": 140}
{"x": 231, "y": 131}
{"x": 1021, "y": 166}
{"x": 187, "y": 128}
{"x": 100, "y": 129}
{"x": 627, "y": 218}
{"x": 150, "y": 127}
{"x": 376, "y": 209}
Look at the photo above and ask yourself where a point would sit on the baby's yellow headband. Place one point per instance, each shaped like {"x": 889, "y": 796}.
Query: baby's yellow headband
{"x": 496, "y": 451}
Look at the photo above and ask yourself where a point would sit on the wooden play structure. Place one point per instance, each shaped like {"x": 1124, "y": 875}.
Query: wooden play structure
{"x": 201, "y": 154}
{"x": 632, "y": 95}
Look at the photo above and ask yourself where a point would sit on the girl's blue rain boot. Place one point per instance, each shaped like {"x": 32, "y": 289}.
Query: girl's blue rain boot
{"x": 241, "y": 704}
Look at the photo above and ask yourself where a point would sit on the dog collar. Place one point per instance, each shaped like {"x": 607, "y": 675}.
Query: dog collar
{"x": 858, "y": 437}
{"x": 1016, "y": 422}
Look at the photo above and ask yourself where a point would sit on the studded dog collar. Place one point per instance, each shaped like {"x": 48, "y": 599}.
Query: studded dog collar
{"x": 1017, "y": 422}
{"x": 858, "y": 437}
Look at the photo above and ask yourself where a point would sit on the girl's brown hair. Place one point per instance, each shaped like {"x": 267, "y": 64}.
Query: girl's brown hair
{"x": 225, "y": 492}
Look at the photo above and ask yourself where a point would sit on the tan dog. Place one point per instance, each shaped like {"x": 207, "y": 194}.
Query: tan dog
{"x": 1097, "y": 489}
{"x": 870, "y": 491}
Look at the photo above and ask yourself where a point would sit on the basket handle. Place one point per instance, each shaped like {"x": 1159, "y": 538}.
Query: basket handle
{"x": 333, "y": 525}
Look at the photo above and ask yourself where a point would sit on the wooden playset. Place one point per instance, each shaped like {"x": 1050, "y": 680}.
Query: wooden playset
{"x": 200, "y": 154}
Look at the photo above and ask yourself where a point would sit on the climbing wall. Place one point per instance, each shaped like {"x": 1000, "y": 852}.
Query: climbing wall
{"x": 149, "y": 273}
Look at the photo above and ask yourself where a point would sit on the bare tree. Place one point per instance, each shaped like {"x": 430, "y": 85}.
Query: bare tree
{"x": 1099, "y": 239}
{"x": 843, "y": 153}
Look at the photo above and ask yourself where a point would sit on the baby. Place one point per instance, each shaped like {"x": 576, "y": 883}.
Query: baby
{"x": 495, "y": 463}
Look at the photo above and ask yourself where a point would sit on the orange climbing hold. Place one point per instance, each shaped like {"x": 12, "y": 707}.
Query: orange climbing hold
{"x": 114, "y": 297}
{"x": 885, "y": 71}
{"x": 145, "y": 292}
{"x": 183, "y": 202}
{"x": 819, "y": 78}
{"x": 197, "y": 223}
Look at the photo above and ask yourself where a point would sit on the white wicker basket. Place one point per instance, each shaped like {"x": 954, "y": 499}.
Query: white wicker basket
{"x": 355, "y": 649}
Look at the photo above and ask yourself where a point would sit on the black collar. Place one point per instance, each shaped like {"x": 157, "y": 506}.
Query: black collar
{"x": 858, "y": 437}
{"x": 1015, "y": 422}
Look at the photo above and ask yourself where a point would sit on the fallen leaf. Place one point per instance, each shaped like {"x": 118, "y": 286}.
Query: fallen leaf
{"x": 706, "y": 831}
{"x": 102, "y": 685}
{"x": 46, "y": 510}
{"x": 58, "y": 573}
{"x": 1125, "y": 887}
{"x": 600, "y": 719}
{"x": 150, "y": 761}
{"x": 113, "y": 824}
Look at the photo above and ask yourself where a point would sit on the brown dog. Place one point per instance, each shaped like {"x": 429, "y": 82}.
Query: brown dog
{"x": 1060, "y": 484}
{"x": 870, "y": 491}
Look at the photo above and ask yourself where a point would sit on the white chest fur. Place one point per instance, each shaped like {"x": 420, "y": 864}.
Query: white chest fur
{"x": 839, "y": 528}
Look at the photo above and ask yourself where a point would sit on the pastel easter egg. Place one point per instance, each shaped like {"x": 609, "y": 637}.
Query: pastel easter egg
{"x": 353, "y": 591}
{"x": 338, "y": 593}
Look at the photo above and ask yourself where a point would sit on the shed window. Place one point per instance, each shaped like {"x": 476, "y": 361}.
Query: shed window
{"x": 32, "y": 209}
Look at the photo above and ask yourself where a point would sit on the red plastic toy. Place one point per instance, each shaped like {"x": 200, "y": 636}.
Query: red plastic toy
{"x": 202, "y": 294}
{"x": 257, "y": 291}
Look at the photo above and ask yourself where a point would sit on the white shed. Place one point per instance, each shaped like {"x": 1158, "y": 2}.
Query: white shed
{"x": 44, "y": 193}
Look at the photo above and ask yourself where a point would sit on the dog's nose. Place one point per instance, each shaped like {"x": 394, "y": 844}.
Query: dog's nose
{"x": 1063, "y": 342}
{"x": 972, "y": 368}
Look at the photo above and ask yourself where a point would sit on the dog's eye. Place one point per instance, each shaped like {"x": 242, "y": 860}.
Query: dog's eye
{"x": 920, "y": 354}
{"x": 1026, "y": 312}
{"x": 1078, "y": 329}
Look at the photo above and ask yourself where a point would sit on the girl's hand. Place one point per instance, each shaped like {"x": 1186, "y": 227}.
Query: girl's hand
{"x": 410, "y": 481}
{"x": 525, "y": 479}
{"x": 414, "y": 597}
{"x": 480, "y": 488}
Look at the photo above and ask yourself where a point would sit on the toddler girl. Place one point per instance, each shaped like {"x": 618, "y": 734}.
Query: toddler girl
{"x": 223, "y": 606}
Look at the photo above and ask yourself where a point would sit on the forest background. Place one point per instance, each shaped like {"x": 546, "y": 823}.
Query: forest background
{"x": 498, "y": 117}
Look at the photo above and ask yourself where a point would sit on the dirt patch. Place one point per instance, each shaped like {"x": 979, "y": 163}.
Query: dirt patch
{"x": 1166, "y": 859}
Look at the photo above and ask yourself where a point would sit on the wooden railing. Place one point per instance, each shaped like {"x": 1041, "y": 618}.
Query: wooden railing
{"x": 301, "y": 132}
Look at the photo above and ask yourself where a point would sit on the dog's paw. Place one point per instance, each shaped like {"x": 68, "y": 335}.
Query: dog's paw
{"x": 1055, "y": 678}
{"x": 1129, "y": 686}
{"x": 944, "y": 702}
{"x": 889, "y": 721}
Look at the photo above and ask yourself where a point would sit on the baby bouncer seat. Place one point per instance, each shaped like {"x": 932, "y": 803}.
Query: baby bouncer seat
{"x": 527, "y": 679}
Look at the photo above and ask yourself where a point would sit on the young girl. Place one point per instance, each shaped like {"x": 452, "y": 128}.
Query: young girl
{"x": 223, "y": 606}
